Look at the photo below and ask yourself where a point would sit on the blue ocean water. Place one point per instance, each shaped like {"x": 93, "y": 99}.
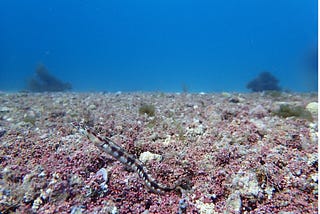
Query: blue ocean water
{"x": 127, "y": 45}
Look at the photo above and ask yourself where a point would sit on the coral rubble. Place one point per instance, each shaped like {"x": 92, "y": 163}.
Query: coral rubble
{"x": 234, "y": 157}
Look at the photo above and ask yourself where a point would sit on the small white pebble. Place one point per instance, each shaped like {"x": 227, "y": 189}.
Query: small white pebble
{"x": 104, "y": 174}
{"x": 148, "y": 156}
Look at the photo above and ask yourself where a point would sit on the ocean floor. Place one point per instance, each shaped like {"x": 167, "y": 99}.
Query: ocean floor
{"x": 235, "y": 153}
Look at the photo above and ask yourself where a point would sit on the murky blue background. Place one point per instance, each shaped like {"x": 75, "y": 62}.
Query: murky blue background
{"x": 127, "y": 45}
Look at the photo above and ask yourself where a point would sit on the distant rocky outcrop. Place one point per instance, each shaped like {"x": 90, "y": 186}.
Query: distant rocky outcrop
{"x": 44, "y": 81}
{"x": 264, "y": 82}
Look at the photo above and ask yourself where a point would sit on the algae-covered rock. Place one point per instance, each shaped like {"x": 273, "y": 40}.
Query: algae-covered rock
{"x": 293, "y": 111}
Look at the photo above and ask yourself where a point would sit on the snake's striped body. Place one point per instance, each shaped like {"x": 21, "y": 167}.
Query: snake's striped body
{"x": 107, "y": 145}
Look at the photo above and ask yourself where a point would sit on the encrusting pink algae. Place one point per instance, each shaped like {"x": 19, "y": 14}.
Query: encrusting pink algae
{"x": 216, "y": 153}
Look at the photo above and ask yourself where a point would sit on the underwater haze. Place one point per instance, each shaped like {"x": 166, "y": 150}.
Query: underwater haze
{"x": 168, "y": 46}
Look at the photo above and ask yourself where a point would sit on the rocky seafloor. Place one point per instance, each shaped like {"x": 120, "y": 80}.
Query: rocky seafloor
{"x": 239, "y": 153}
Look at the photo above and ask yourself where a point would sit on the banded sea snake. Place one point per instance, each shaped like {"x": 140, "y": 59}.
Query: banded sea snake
{"x": 107, "y": 145}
